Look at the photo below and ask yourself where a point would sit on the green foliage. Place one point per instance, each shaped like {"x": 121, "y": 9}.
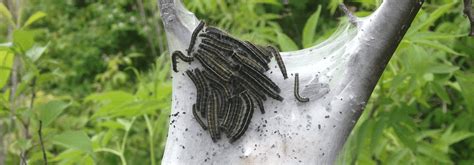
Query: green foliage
{"x": 89, "y": 74}
{"x": 75, "y": 140}
{"x": 50, "y": 111}
{"x": 5, "y": 13}
{"x": 420, "y": 112}
{"x": 310, "y": 28}
{"x": 285, "y": 42}
{"x": 35, "y": 17}
{"x": 93, "y": 40}
{"x": 5, "y": 66}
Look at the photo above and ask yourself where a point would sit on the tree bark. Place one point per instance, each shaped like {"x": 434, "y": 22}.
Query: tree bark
{"x": 468, "y": 12}
{"x": 338, "y": 76}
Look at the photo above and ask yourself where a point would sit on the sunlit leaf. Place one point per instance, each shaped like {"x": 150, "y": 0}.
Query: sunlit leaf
{"x": 397, "y": 157}
{"x": 111, "y": 96}
{"x": 427, "y": 133}
{"x": 362, "y": 135}
{"x": 35, "y": 52}
{"x": 272, "y": 2}
{"x": 6, "y": 63}
{"x": 69, "y": 157}
{"x": 458, "y": 136}
{"x": 377, "y": 132}
{"x": 433, "y": 153}
{"x": 436, "y": 45}
{"x": 466, "y": 80}
{"x": 286, "y": 43}
{"x": 451, "y": 137}
{"x": 33, "y": 18}
{"x": 125, "y": 123}
{"x": 49, "y": 111}
{"x": 110, "y": 124}
{"x": 5, "y": 13}
{"x": 402, "y": 132}
{"x": 441, "y": 92}
{"x": 310, "y": 28}
{"x": 5, "y": 46}
{"x": 23, "y": 39}
{"x": 442, "y": 68}
{"x": 75, "y": 140}
{"x": 440, "y": 11}
{"x": 333, "y": 5}
{"x": 429, "y": 35}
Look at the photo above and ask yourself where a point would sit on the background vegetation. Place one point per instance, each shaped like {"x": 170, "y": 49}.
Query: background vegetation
{"x": 96, "y": 73}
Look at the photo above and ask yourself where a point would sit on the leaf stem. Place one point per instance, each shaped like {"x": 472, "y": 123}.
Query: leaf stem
{"x": 122, "y": 157}
{"x": 45, "y": 158}
{"x": 150, "y": 139}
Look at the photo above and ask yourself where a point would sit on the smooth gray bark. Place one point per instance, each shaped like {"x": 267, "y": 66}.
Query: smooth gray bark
{"x": 338, "y": 76}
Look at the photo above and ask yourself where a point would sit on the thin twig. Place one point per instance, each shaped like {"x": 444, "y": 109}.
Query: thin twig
{"x": 45, "y": 158}
{"x": 470, "y": 16}
{"x": 33, "y": 93}
{"x": 352, "y": 17}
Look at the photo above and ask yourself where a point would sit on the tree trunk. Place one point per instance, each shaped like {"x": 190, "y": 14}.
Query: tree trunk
{"x": 338, "y": 76}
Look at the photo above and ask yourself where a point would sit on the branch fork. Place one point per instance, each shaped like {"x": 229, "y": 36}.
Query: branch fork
{"x": 338, "y": 76}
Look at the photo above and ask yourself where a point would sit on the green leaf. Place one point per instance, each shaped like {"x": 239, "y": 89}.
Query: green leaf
{"x": 362, "y": 135}
{"x": 440, "y": 11}
{"x": 442, "y": 69}
{"x": 457, "y": 136}
{"x": 129, "y": 108}
{"x": 125, "y": 123}
{"x": 441, "y": 92}
{"x": 69, "y": 155}
{"x": 428, "y": 35}
{"x": 111, "y": 125}
{"x": 377, "y": 133}
{"x": 432, "y": 152}
{"x": 398, "y": 156}
{"x": 23, "y": 144}
{"x": 33, "y": 18}
{"x": 309, "y": 29}
{"x": 23, "y": 39}
{"x": 272, "y": 2}
{"x": 50, "y": 111}
{"x": 36, "y": 52}
{"x": 5, "y": 46}
{"x": 286, "y": 43}
{"x": 333, "y": 5}
{"x": 427, "y": 133}
{"x": 5, "y": 13}
{"x": 466, "y": 80}
{"x": 436, "y": 45}
{"x": 75, "y": 140}
{"x": 111, "y": 96}
{"x": 402, "y": 131}
{"x": 6, "y": 63}
{"x": 119, "y": 103}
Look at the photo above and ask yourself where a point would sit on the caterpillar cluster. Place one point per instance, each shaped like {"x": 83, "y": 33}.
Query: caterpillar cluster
{"x": 232, "y": 82}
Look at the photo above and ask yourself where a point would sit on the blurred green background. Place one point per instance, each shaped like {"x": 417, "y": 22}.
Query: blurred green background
{"x": 97, "y": 74}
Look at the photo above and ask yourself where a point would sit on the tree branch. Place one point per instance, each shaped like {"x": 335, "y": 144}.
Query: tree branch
{"x": 338, "y": 76}
{"x": 352, "y": 17}
{"x": 469, "y": 14}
